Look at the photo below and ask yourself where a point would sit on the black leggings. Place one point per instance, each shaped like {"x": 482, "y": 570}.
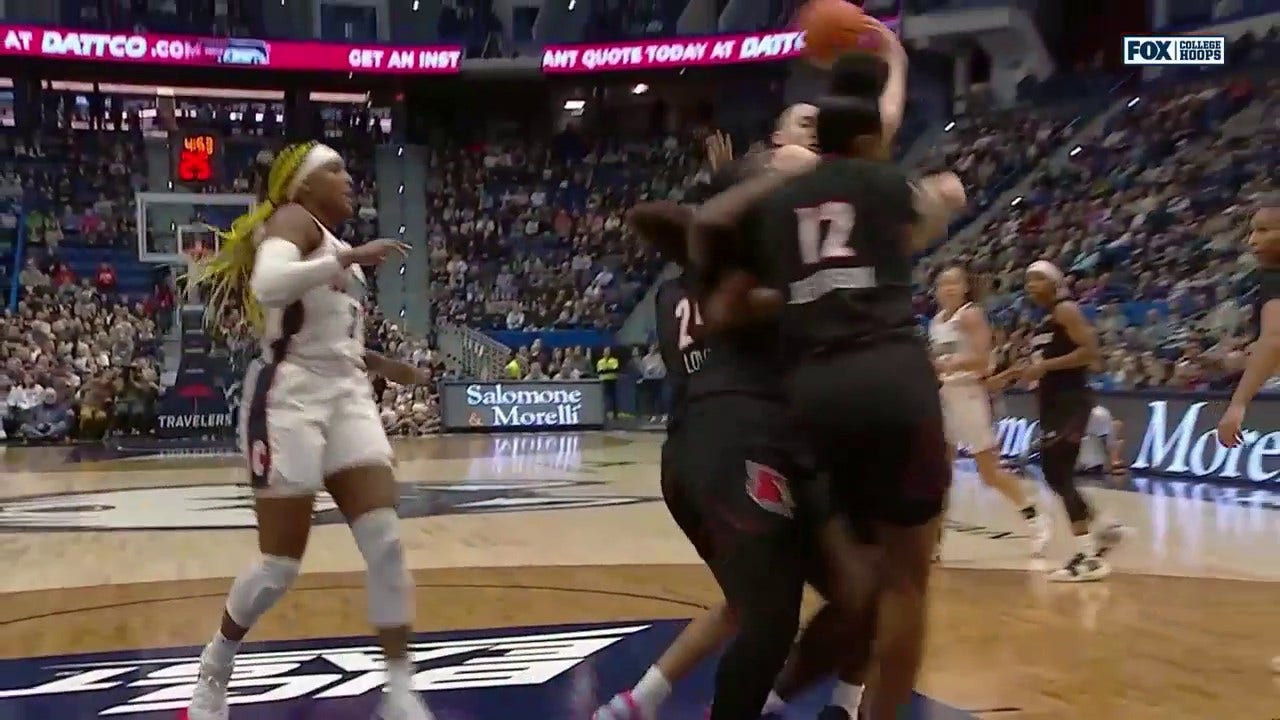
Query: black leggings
{"x": 1063, "y": 419}
{"x": 1058, "y": 459}
{"x": 763, "y": 584}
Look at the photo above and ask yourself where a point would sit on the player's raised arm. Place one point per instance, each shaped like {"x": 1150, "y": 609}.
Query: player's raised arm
{"x": 893, "y": 99}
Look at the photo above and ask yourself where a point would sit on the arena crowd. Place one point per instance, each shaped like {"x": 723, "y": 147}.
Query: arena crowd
{"x": 1146, "y": 215}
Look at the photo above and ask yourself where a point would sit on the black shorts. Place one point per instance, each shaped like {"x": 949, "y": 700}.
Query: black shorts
{"x": 873, "y": 419}
{"x": 736, "y": 484}
{"x": 1064, "y": 416}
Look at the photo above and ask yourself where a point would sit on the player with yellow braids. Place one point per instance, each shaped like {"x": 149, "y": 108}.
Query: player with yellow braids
{"x": 308, "y": 421}
{"x": 224, "y": 277}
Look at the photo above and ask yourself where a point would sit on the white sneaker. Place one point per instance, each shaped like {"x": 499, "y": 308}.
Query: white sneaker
{"x": 209, "y": 699}
{"x": 1109, "y": 535}
{"x": 1081, "y": 568}
{"x": 403, "y": 706}
{"x": 622, "y": 707}
{"x": 1041, "y": 530}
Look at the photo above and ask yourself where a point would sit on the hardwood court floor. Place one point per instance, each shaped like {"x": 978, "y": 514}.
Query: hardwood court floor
{"x": 507, "y": 532}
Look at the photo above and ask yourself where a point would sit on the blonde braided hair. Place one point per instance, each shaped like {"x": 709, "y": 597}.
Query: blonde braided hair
{"x": 225, "y": 275}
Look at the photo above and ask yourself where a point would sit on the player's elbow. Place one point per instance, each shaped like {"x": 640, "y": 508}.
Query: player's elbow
{"x": 269, "y": 290}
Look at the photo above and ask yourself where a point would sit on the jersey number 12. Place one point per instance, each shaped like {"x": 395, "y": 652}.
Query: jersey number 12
{"x": 816, "y": 244}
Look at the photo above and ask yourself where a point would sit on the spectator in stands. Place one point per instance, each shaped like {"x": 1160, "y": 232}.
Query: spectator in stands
{"x": 48, "y": 421}
{"x": 95, "y": 401}
{"x": 651, "y": 373}
{"x": 536, "y": 372}
{"x": 513, "y": 370}
{"x": 136, "y": 393}
{"x": 31, "y": 278}
{"x": 607, "y": 370}
{"x": 105, "y": 279}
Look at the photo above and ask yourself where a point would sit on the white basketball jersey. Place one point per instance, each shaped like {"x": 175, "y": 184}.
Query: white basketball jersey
{"x": 947, "y": 338}
{"x": 324, "y": 329}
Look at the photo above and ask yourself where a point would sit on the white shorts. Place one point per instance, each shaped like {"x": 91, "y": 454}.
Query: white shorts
{"x": 966, "y": 416}
{"x": 298, "y": 427}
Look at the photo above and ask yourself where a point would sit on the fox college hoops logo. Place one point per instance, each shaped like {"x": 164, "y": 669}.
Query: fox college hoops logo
{"x": 215, "y": 507}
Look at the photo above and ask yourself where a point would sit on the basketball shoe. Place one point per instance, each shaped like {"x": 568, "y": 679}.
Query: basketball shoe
{"x": 623, "y": 706}
{"x": 1109, "y": 534}
{"x": 1081, "y": 568}
{"x": 209, "y": 698}
{"x": 403, "y": 706}
{"x": 1041, "y": 530}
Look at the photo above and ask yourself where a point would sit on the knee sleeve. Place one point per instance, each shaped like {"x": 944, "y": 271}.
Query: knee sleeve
{"x": 377, "y": 534}
{"x": 259, "y": 588}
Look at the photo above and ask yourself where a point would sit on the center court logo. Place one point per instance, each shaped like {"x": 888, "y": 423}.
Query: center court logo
{"x": 329, "y": 675}
{"x": 1174, "y": 50}
{"x": 216, "y": 507}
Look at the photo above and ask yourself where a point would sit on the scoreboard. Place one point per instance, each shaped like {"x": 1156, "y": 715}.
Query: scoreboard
{"x": 197, "y": 159}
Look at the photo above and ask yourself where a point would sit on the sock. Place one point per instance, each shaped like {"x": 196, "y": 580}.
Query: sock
{"x": 1028, "y": 512}
{"x": 399, "y": 676}
{"x": 847, "y": 696}
{"x": 220, "y": 651}
{"x": 774, "y": 703}
{"x": 652, "y": 690}
{"x": 1087, "y": 545}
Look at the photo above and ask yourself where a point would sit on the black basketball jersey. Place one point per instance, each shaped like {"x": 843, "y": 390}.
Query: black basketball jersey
{"x": 680, "y": 340}
{"x": 837, "y": 239}
{"x": 1268, "y": 290}
{"x": 1050, "y": 341}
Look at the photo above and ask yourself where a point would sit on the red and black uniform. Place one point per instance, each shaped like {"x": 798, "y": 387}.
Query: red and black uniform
{"x": 1066, "y": 402}
{"x": 864, "y": 391}
{"x": 732, "y": 479}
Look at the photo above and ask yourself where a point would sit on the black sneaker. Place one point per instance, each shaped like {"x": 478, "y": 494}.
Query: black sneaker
{"x": 834, "y": 712}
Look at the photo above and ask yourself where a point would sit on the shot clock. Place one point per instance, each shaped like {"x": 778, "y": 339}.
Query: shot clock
{"x": 197, "y": 159}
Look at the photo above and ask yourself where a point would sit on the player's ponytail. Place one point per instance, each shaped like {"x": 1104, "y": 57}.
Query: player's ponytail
{"x": 224, "y": 277}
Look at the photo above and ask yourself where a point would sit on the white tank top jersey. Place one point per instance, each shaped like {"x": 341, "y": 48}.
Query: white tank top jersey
{"x": 947, "y": 338}
{"x": 323, "y": 330}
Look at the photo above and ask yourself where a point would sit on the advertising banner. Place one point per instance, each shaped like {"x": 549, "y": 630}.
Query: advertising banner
{"x": 1169, "y": 434}
{"x": 704, "y": 51}
{"x": 189, "y": 50}
{"x": 204, "y": 398}
{"x": 555, "y": 405}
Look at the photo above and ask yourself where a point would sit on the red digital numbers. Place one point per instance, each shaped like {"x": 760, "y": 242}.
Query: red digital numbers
{"x": 196, "y": 159}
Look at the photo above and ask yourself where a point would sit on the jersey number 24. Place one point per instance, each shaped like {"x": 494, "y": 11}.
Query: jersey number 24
{"x": 690, "y": 316}
{"x": 818, "y": 243}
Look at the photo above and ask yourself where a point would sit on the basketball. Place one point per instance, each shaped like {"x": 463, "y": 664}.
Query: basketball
{"x": 833, "y": 28}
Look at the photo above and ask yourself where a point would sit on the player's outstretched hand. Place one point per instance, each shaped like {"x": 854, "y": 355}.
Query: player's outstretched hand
{"x": 373, "y": 252}
{"x": 719, "y": 150}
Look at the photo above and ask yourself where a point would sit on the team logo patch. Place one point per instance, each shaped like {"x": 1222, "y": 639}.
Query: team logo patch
{"x": 231, "y": 506}
{"x": 770, "y": 489}
{"x": 260, "y": 459}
